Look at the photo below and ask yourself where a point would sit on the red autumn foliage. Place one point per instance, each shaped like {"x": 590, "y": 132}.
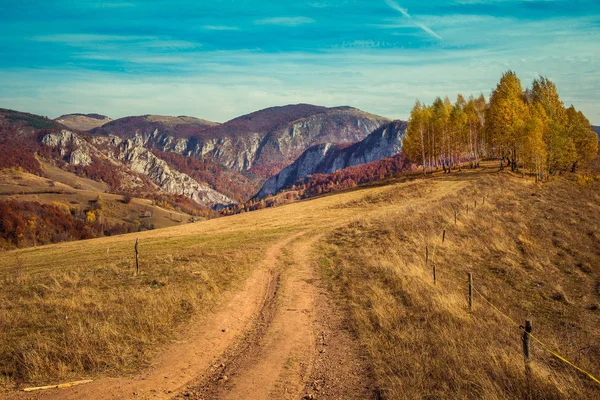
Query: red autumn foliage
{"x": 25, "y": 224}
{"x": 352, "y": 176}
{"x": 19, "y": 153}
{"x": 314, "y": 185}
{"x": 180, "y": 203}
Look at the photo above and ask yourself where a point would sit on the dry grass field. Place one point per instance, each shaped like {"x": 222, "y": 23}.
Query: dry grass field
{"x": 75, "y": 310}
{"x": 533, "y": 250}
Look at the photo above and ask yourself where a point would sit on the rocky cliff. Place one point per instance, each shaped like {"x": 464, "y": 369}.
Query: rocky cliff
{"x": 131, "y": 154}
{"x": 326, "y": 158}
{"x": 263, "y": 141}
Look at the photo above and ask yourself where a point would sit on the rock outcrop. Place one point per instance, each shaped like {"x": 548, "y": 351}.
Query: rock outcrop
{"x": 326, "y": 158}
{"x": 70, "y": 145}
{"x": 142, "y": 161}
{"x": 131, "y": 154}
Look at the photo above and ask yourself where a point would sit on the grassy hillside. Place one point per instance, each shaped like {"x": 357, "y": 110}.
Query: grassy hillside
{"x": 533, "y": 251}
{"x": 83, "y": 122}
{"x": 75, "y": 309}
{"x": 74, "y": 196}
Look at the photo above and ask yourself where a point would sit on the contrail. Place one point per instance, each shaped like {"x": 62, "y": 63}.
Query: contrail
{"x": 396, "y": 7}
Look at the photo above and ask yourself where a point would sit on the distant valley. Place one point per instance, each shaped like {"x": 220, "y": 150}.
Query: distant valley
{"x": 193, "y": 166}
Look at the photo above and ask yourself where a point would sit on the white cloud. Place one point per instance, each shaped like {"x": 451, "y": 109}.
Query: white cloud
{"x": 84, "y": 38}
{"x": 222, "y": 85}
{"x": 404, "y": 12}
{"x": 285, "y": 21}
{"x": 220, "y": 28}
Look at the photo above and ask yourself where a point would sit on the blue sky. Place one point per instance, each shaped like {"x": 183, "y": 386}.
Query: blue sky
{"x": 222, "y": 58}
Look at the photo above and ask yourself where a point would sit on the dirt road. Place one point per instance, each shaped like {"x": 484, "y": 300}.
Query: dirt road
{"x": 281, "y": 336}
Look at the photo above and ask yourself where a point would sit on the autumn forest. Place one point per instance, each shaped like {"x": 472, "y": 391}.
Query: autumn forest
{"x": 528, "y": 129}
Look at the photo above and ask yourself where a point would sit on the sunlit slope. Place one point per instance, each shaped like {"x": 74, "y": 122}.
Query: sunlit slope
{"x": 75, "y": 309}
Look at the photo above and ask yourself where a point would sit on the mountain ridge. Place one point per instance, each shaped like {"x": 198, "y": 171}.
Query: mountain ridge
{"x": 124, "y": 153}
{"x": 327, "y": 158}
{"x": 261, "y": 142}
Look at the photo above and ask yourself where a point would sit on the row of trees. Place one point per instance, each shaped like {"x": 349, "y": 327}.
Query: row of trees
{"x": 528, "y": 128}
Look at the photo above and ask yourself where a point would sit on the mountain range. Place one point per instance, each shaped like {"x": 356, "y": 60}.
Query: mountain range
{"x": 213, "y": 164}
{"x": 262, "y": 142}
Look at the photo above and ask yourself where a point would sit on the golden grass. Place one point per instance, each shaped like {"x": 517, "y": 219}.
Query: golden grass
{"x": 87, "y": 313}
{"x": 533, "y": 250}
{"x": 75, "y": 310}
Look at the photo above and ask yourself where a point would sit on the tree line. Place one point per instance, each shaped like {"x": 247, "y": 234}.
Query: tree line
{"x": 529, "y": 129}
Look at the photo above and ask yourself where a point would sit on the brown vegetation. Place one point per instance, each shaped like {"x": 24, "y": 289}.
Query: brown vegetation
{"x": 24, "y": 224}
{"x": 74, "y": 310}
{"x": 533, "y": 250}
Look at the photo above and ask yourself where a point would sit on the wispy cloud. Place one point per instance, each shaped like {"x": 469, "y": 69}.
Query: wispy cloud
{"x": 285, "y": 21}
{"x": 219, "y": 85}
{"x": 170, "y": 44}
{"x": 118, "y": 58}
{"x": 111, "y": 5}
{"x": 220, "y": 28}
{"x": 75, "y": 38}
{"x": 134, "y": 58}
{"x": 404, "y": 12}
{"x": 92, "y": 41}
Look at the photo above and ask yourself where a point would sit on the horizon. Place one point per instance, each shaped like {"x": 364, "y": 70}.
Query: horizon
{"x": 218, "y": 122}
{"x": 225, "y": 59}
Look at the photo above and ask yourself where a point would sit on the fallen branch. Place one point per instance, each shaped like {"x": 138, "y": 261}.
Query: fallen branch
{"x": 59, "y": 386}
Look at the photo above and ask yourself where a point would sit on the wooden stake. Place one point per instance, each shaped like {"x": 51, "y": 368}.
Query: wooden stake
{"x": 455, "y": 216}
{"x": 475, "y": 203}
{"x": 467, "y": 208}
{"x": 443, "y": 236}
{"x": 470, "y": 291}
{"x": 434, "y": 275}
{"x": 137, "y": 262}
{"x": 526, "y": 343}
{"x": 426, "y": 255}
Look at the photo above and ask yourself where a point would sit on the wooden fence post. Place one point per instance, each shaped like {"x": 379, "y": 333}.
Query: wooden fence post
{"x": 443, "y": 236}
{"x": 483, "y": 198}
{"x": 434, "y": 275}
{"x": 455, "y": 216}
{"x": 470, "y": 291}
{"x": 475, "y": 204}
{"x": 426, "y": 255}
{"x": 137, "y": 262}
{"x": 526, "y": 344}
